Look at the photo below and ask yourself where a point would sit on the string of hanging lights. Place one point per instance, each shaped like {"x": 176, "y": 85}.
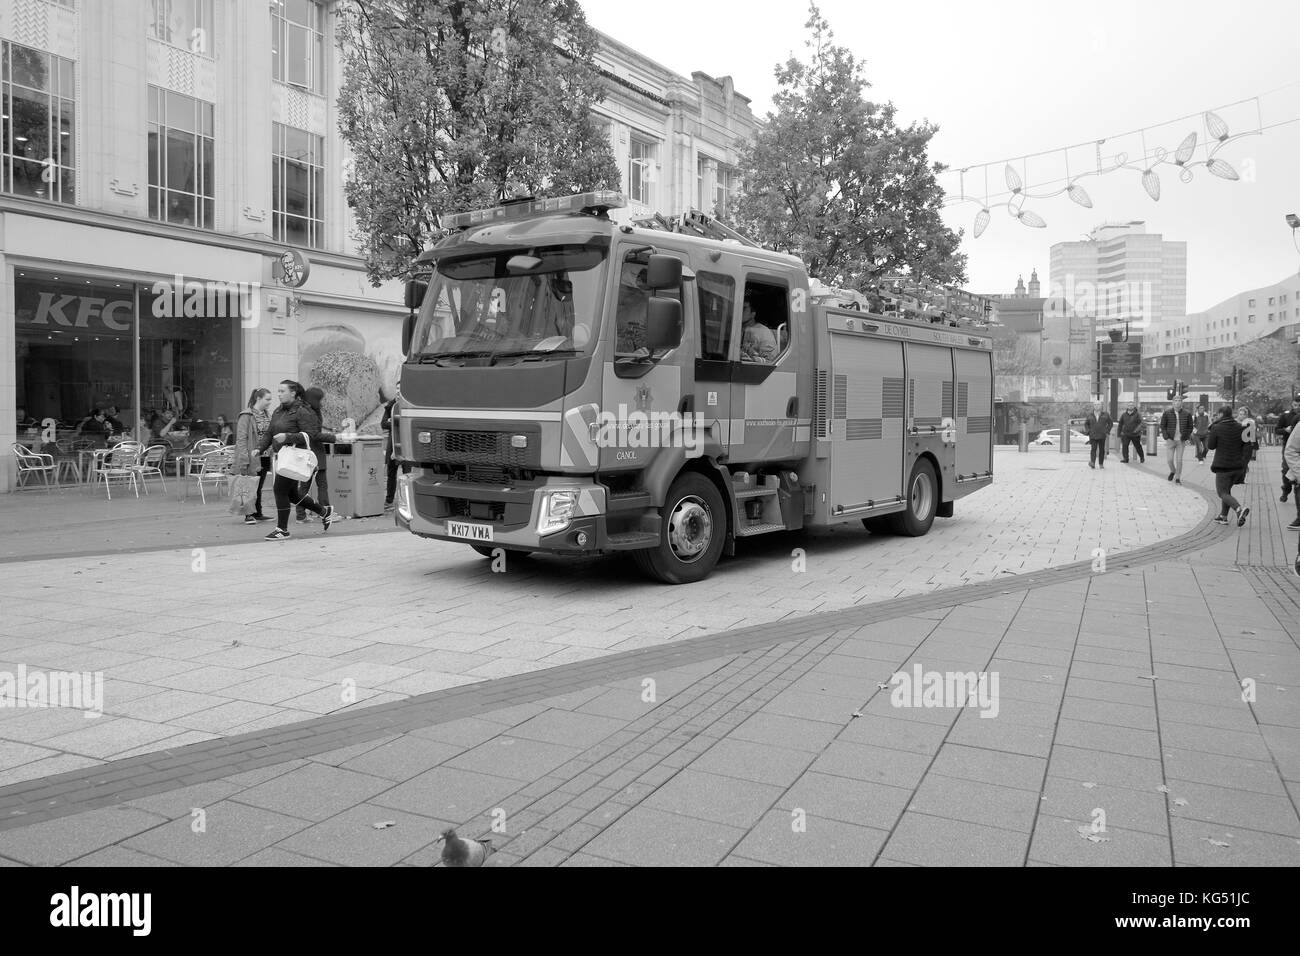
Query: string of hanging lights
{"x": 1148, "y": 167}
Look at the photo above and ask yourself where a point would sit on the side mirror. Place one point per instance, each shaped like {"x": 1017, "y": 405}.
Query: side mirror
{"x": 415, "y": 290}
{"x": 663, "y": 272}
{"x": 663, "y": 323}
{"x": 408, "y": 329}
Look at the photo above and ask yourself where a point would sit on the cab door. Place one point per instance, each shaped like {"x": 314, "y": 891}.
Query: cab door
{"x": 771, "y": 388}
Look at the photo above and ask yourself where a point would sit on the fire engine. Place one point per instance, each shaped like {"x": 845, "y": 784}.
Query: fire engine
{"x": 576, "y": 386}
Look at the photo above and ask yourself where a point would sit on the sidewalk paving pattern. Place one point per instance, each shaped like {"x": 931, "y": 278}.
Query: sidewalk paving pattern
{"x": 769, "y": 739}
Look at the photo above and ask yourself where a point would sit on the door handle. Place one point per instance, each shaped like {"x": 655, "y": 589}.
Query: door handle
{"x": 686, "y": 405}
{"x": 792, "y": 407}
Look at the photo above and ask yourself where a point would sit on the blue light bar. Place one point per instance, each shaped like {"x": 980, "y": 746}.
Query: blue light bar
{"x": 599, "y": 199}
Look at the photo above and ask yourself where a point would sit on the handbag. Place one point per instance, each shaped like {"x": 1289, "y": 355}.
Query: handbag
{"x": 242, "y": 493}
{"x": 296, "y": 463}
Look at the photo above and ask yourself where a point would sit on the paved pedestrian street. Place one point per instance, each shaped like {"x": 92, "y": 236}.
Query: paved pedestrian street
{"x": 342, "y": 700}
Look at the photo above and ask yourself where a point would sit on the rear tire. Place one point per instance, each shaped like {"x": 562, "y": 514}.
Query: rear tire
{"x": 922, "y": 502}
{"x": 692, "y": 532}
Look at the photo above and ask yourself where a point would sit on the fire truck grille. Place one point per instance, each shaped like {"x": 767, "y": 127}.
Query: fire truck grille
{"x": 477, "y": 448}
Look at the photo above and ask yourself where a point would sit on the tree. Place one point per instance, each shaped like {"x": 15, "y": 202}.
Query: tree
{"x": 1016, "y": 356}
{"x": 447, "y": 104}
{"x": 831, "y": 178}
{"x": 1270, "y": 367}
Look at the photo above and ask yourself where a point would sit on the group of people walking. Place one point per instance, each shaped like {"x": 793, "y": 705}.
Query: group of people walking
{"x": 261, "y": 433}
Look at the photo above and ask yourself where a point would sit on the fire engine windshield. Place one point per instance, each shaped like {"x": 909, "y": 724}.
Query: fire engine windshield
{"x": 512, "y": 305}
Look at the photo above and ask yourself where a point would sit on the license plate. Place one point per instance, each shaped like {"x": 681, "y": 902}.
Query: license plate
{"x": 474, "y": 532}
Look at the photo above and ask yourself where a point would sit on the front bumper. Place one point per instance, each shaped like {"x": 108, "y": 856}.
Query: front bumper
{"x": 428, "y": 505}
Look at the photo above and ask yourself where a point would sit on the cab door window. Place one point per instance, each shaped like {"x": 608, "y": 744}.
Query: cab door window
{"x": 765, "y": 323}
{"x": 717, "y": 297}
{"x": 632, "y": 307}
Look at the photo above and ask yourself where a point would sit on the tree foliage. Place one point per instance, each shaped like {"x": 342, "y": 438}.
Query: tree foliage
{"x": 1271, "y": 372}
{"x": 447, "y": 104}
{"x": 833, "y": 179}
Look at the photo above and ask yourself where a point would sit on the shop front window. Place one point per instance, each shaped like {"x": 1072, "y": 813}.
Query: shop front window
{"x": 81, "y": 345}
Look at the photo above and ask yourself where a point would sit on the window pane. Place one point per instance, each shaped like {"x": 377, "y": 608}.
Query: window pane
{"x": 68, "y": 184}
{"x": 318, "y": 193}
{"x": 30, "y": 67}
{"x": 153, "y": 202}
{"x": 153, "y": 105}
{"x": 295, "y": 231}
{"x": 67, "y": 134}
{"x": 209, "y": 221}
{"x": 181, "y": 161}
{"x": 318, "y": 62}
{"x": 180, "y": 209}
{"x": 277, "y": 47}
{"x": 300, "y": 11}
{"x": 277, "y": 195}
{"x": 206, "y": 111}
{"x": 297, "y": 56}
{"x": 30, "y": 117}
{"x": 155, "y": 172}
{"x": 205, "y": 180}
{"x": 296, "y": 144}
{"x": 67, "y": 84}
{"x": 179, "y": 111}
{"x": 295, "y": 187}
{"x": 27, "y": 179}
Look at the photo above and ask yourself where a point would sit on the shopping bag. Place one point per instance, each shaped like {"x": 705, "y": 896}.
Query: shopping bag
{"x": 243, "y": 494}
{"x": 296, "y": 463}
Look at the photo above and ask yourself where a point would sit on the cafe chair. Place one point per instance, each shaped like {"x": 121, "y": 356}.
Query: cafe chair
{"x": 212, "y": 468}
{"x": 151, "y": 462}
{"x": 119, "y": 464}
{"x": 31, "y": 463}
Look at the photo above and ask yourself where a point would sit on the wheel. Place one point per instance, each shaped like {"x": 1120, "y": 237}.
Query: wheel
{"x": 694, "y": 528}
{"x": 488, "y": 550}
{"x": 922, "y": 502}
{"x": 881, "y": 525}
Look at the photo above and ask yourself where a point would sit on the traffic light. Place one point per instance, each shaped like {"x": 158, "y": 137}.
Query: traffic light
{"x": 1182, "y": 389}
{"x": 1241, "y": 380}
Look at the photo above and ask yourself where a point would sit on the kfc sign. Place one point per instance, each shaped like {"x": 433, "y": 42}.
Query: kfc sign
{"x": 76, "y": 311}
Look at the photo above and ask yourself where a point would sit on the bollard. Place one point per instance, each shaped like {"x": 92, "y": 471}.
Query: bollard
{"x": 1024, "y": 437}
{"x": 1153, "y": 432}
{"x": 1065, "y": 438}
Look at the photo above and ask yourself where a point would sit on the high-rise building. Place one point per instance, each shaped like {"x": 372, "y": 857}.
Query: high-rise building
{"x": 1122, "y": 274}
{"x": 173, "y": 225}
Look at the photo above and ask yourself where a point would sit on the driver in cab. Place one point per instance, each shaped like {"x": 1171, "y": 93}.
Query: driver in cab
{"x": 757, "y": 343}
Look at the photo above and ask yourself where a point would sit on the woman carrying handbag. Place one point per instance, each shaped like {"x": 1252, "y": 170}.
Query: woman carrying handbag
{"x": 294, "y": 426}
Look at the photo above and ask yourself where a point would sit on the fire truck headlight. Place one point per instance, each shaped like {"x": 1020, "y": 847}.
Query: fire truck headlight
{"x": 404, "y": 497}
{"x": 557, "y": 511}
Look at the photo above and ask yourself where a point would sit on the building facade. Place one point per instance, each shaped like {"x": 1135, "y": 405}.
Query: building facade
{"x": 173, "y": 227}
{"x": 1122, "y": 275}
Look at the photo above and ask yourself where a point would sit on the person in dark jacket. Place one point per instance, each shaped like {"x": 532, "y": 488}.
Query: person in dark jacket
{"x": 314, "y": 397}
{"x": 1285, "y": 423}
{"x": 1176, "y": 429}
{"x": 1097, "y": 428}
{"x": 1229, "y": 465}
{"x": 1130, "y": 432}
{"x": 1200, "y": 428}
{"x": 1249, "y": 435}
{"x": 292, "y": 423}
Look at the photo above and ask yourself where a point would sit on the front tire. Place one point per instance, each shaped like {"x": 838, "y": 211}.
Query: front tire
{"x": 922, "y": 502}
{"x": 691, "y": 535}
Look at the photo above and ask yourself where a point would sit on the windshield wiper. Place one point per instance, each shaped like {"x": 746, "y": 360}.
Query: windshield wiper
{"x": 425, "y": 357}
{"x": 533, "y": 354}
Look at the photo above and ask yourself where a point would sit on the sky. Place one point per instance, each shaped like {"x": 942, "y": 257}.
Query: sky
{"x": 1013, "y": 78}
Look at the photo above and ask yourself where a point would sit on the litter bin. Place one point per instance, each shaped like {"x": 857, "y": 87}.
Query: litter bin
{"x": 357, "y": 477}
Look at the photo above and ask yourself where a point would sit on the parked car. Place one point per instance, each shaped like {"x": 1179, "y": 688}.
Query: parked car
{"x": 1052, "y": 436}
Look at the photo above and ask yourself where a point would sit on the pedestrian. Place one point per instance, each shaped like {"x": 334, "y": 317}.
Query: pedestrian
{"x": 390, "y": 463}
{"x": 1286, "y": 423}
{"x": 225, "y": 431}
{"x": 1229, "y": 463}
{"x": 314, "y": 397}
{"x": 292, "y": 423}
{"x": 1250, "y": 436}
{"x": 1176, "y": 429}
{"x": 1097, "y": 427}
{"x": 1291, "y": 475}
{"x": 250, "y": 429}
{"x": 1201, "y": 428}
{"x": 1130, "y": 431}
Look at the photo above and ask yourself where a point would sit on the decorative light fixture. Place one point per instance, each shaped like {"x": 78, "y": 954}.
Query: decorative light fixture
{"x": 1018, "y": 192}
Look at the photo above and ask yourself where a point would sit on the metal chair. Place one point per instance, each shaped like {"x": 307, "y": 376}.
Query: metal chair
{"x": 214, "y": 468}
{"x": 119, "y": 464}
{"x": 151, "y": 462}
{"x": 31, "y": 463}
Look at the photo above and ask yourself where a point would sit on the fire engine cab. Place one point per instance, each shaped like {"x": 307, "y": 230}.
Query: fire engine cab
{"x": 576, "y": 386}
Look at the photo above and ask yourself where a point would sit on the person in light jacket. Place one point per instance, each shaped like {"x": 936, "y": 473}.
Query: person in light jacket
{"x": 1097, "y": 428}
{"x": 1130, "y": 432}
{"x": 250, "y": 429}
{"x": 293, "y": 423}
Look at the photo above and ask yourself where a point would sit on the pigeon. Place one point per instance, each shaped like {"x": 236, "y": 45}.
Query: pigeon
{"x": 457, "y": 851}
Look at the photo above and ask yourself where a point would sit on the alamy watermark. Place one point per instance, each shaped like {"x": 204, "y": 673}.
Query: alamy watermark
{"x": 648, "y": 429}
{"x": 192, "y": 299}
{"x": 922, "y": 688}
{"x": 79, "y": 690}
